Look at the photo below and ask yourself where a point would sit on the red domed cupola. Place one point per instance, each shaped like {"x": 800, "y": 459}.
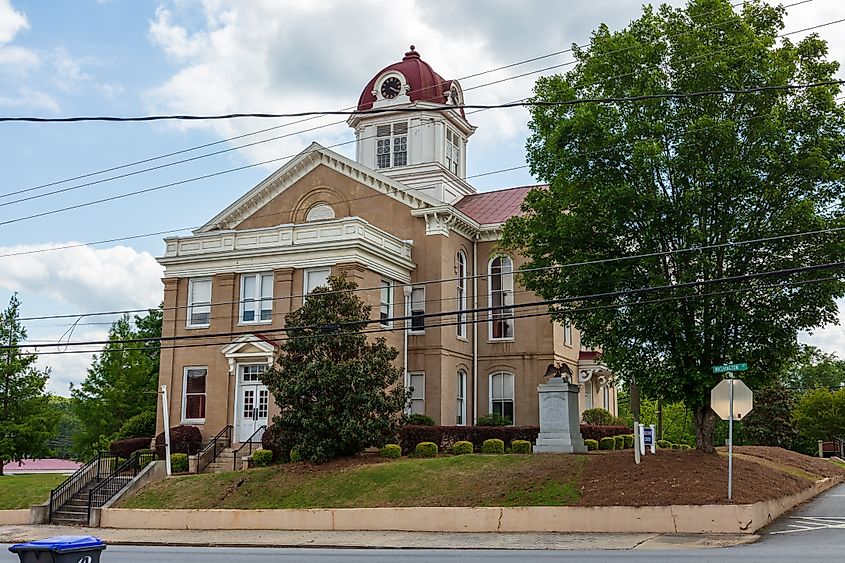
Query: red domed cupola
{"x": 411, "y": 78}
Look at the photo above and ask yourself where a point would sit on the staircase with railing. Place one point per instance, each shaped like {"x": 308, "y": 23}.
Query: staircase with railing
{"x": 108, "y": 487}
{"x": 68, "y": 501}
{"x": 247, "y": 447}
{"x": 210, "y": 453}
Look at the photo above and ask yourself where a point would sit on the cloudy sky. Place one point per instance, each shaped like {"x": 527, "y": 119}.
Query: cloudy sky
{"x": 122, "y": 57}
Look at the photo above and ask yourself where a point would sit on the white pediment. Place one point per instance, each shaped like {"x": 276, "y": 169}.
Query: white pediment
{"x": 248, "y": 346}
{"x": 295, "y": 169}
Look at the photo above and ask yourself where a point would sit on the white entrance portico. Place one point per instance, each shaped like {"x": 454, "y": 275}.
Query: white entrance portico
{"x": 249, "y": 357}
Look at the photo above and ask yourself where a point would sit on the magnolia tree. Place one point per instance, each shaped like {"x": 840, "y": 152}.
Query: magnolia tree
{"x": 673, "y": 183}
{"x": 339, "y": 392}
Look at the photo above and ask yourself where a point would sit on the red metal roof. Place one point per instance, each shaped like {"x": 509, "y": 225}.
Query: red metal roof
{"x": 425, "y": 84}
{"x": 494, "y": 207}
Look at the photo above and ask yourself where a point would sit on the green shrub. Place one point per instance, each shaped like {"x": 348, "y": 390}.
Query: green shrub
{"x": 664, "y": 444}
{"x": 620, "y": 442}
{"x": 686, "y": 447}
{"x": 629, "y": 440}
{"x": 493, "y": 420}
{"x": 675, "y": 446}
{"x": 417, "y": 419}
{"x": 607, "y": 443}
{"x": 295, "y": 455}
{"x": 462, "y": 447}
{"x": 597, "y": 416}
{"x": 521, "y": 447}
{"x": 179, "y": 463}
{"x": 591, "y": 444}
{"x": 493, "y": 446}
{"x": 426, "y": 449}
{"x": 391, "y": 451}
{"x": 139, "y": 426}
{"x": 262, "y": 458}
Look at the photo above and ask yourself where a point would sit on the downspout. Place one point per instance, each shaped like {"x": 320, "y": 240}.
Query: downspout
{"x": 406, "y": 291}
{"x": 475, "y": 330}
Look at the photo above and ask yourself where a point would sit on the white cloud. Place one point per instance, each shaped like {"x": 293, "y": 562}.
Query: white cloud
{"x": 84, "y": 278}
{"x": 31, "y": 99}
{"x": 11, "y": 22}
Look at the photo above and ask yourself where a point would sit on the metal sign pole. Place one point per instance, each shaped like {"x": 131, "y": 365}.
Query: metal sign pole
{"x": 165, "y": 413}
{"x": 637, "y": 442}
{"x": 731, "y": 438}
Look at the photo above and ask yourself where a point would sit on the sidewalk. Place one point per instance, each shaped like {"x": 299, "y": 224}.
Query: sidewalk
{"x": 387, "y": 540}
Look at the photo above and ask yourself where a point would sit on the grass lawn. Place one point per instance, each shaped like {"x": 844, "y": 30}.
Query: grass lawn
{"x": 22, "y": 491}
{"x": 470, "y": 480}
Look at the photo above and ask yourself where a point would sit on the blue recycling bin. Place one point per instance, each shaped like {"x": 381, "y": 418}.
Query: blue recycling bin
{"x": 61, "y": 549}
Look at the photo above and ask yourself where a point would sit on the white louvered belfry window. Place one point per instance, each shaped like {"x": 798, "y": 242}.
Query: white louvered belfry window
{"x": 392, "y": 145}
{"x": 453, "y": 151}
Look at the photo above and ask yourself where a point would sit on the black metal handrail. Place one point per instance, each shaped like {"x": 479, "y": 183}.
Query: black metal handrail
{"x": 251, "y": 441}
{"x": 95, "y": 469}
{"x": 103, "y": 491}
{"x": 212, "y": 449}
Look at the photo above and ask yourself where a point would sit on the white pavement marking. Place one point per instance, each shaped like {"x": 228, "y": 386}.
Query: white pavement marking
{"x": 808, "y": 523}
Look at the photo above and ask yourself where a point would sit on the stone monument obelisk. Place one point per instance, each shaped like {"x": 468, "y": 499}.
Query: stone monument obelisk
{"x": 560, "y": 431}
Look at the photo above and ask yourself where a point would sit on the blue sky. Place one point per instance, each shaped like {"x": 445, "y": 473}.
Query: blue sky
{"x": 112, "y": 57}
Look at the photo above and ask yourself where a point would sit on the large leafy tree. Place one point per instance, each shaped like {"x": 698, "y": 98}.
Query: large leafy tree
{"x": 662, "y": 176}
{"x": 120, "y": 383}
{"x": 26, "y": 421}
{"x": 337, "y": 390}
{"x": 814, "y": 368}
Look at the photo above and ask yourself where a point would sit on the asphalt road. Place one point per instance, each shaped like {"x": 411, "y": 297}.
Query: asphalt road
{"x": 814, "y": 532}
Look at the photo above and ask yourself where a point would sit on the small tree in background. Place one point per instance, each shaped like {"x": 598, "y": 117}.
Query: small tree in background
{"x": 338, "y": 392}
{"x": 772, "y": 422}
{"x": 27, "y": 420}
{"x": 820, "y": 413}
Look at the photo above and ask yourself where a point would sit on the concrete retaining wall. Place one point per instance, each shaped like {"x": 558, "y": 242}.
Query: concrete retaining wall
{"x": 155, "y": 471}
{"x": 9, "y": 517}
{"x": 726, "y": 518}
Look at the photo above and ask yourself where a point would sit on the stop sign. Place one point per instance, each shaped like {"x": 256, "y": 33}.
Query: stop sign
{"x": 720, "y": 399}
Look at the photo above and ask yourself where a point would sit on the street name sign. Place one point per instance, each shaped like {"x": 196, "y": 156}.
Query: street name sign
{"x": 720, "y": 399}
{"x": 730, "y": 368}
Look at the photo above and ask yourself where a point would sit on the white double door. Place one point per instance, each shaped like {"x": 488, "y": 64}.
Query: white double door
{"x": 253, "y": 402}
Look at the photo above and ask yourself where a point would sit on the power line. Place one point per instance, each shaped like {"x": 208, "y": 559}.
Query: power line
{"x": 491, "y": 309}
{"x": 595, "y": 262}
{"x": 405, "y": 326}
{"x": 413, "y": 110}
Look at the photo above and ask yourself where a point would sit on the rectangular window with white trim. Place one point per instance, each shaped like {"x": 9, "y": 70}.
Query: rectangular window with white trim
{"x": 418, "y": 309}
{"x": 314, "y": 279}
{"x": 385, "y": 303}
{"x": 417, "y": 403}
{"x": 453, "y": 151}
{"x": 501, "y": 298}
{"x": 501, "y": 395}
{"x": 199, "y": 303}
{"x": 461, "y": 416}
{"x": 193, "y": 394}
{"x": 567, "y": 333}
{"x": 256, "y": 298}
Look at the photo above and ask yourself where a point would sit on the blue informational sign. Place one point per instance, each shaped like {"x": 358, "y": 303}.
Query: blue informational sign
{"x": 648, "y": 436}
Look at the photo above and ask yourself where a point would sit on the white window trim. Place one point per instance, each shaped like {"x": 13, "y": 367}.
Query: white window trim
{"x": 490, "y": 336}
{"x": 462, "y": 394}
{"x": 462, "y": 298}
{"x": 242, "y": 305}
{"x": 567, "y": 333}
{"x": 490, "y": 393}
{"x": 185, "y": 395}
{"x": 391, "y": 145}
{"x": 190, "y": 309}
{"x": 411, "y": 376}
{"x": 411, "y": 329}
{"x": 391, "y": 287}
{"x": 588, "y": 394}
{"x": 307, "y": 274}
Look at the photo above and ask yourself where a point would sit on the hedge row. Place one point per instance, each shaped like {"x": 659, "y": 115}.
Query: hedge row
{"x": 446, "y": 436}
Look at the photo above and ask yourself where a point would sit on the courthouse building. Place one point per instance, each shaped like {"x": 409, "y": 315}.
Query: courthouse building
{"x": 403, "y": 223}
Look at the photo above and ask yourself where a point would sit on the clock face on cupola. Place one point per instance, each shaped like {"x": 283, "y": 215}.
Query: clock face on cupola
{"x": 391, "y": 87}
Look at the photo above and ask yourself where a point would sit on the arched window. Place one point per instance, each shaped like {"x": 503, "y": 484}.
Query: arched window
{"x": 461, "y": 416}
{"x": 320, "y": 212}
{"x": 500, "y": 281}
{"x": 461, "y": 268}
{"x": 501, "y": 394}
